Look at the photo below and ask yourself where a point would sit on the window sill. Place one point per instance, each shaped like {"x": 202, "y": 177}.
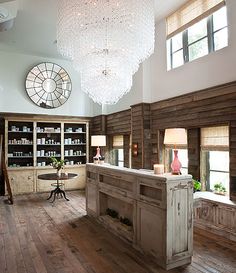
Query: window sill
{"x": 212, "y": 197}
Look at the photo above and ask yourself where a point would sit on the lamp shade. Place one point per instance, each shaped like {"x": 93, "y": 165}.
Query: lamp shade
{"x": 175, "y": 136}
{"x": 98, "y": 140}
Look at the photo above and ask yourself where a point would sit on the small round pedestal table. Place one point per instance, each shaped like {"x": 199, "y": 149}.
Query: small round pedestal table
{"x": 57, "y": 190}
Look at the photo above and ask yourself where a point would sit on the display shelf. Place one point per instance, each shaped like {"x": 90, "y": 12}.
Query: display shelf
{"x": 19, "y": 143}
{"x": 39, "y": 137}
{"x": 49, "y": 145}
{"x": 21, "y": 132}
{"x": 47, "y": 133}
{"x": 20, "y": 156}
{"x": 46, "y": 156}
{"x": 74, "y": 156}
{"x": 79, "y": 144}
{"x": 75, "y": 133}
{"x": 10, "y": 144}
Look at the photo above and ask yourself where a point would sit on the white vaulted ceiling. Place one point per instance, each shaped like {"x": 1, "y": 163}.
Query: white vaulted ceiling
{"x": 34, "y": 31}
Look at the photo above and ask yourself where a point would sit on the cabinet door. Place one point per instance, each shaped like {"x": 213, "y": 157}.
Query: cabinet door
{"x": 92, "y": 199}
{"x": 44, "y": 185}
{"x": 77, "y": 182}
{"x": 151, "y": 226}
{"x": 178, "y": 225}
{"x": 226, "y": 218}
{"x": 206, "y": 213}
{"x": 21, "y": 181}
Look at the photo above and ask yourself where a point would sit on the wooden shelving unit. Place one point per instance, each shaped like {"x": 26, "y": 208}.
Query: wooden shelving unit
{"x": 29, "y": 144}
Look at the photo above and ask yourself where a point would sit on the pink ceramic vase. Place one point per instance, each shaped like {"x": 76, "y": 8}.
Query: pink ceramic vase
{"x": 176, "y": 165}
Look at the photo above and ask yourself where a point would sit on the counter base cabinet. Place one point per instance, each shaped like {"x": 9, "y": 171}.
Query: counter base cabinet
{"x": 151, "y": 231}
{"x": 22, "y": 181}
{"x": 26, "y": 181}
{"x": 216, "y": 217}
{"x": 91, "y": 199}
{"x": 157, "y": 210}
{"x": 78, "y": 183}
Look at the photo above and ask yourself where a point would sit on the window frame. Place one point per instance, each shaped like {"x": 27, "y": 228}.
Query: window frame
{"x": 186, "y": 45}
{"x": 205, "y": 160}
{"x": 205, "y": 171}
{"x": 116, "y": 149}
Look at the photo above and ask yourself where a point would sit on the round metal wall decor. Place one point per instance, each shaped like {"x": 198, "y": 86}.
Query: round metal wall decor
{"x": 48, "y": 85}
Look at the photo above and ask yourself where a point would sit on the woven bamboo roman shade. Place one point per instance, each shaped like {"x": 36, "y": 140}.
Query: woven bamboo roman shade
{"x": 190, "y": 13}
{"x": 215, "y": 137}
{"x": 118, "y": 141}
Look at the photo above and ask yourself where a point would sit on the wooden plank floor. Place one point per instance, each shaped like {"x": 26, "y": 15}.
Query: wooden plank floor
{"x": 38, "y": 237}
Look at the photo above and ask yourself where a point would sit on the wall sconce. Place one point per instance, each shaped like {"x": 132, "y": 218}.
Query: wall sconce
{"x": 135, "y": 149}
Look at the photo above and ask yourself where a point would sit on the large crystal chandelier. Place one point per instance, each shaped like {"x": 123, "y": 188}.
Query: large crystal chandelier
{"x": 106, "y": 40}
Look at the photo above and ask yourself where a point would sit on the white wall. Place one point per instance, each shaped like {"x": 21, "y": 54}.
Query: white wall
{"x": 13, "y": 97}
{"x": 150, "y": 84}
{"x": 157, "y": 83}
{"x": 213, "y": 69}
{"x": 135, "y": 95}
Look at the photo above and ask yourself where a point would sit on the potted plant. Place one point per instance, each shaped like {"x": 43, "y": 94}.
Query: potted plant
{"x": 57, "y": 164}
{"x": 219, "y": 189}
{"x": 196, "y": 185}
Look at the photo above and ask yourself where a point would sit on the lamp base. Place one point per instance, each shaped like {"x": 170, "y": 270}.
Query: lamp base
{"x": 176, "y": 164}
{"x": 98, "y": 155}
{"x": 174, "y": 173}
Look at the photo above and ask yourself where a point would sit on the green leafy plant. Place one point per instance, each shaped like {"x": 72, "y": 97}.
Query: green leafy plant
{"x": 57, "y": 164}
{"x": 196, "y": 185}
{"x": 219, "y": 188}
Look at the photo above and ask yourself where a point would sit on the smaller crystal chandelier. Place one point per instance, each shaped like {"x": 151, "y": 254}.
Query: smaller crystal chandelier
{"x": 106, "y": 40}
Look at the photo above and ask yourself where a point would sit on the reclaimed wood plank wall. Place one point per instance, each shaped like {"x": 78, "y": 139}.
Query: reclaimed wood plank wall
{"x": 232, "y": 165}
{"x": 194, "y": 152}
{"x": 141, "y": 135}
{"x": 110, "y": 125}
{"x": 146, "y": 124}
{"x": 119, "y": 123}
{"x": 209, "y": 107}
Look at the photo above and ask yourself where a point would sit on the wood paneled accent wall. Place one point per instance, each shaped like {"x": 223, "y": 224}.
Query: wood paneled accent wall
{"x": 215, "y": 105}
{"x": 110, "y": 125}
{"x": 141, "y": 134}
{"x": 119, "y": 123}
{"x": 98, "y": 125}
{"x": 232, "y": 166}
{"x": 194, "y": 152}
{"x": 2, "y": 183}
{"x": 127, "y": 151}
{"x": 209, "y": 107}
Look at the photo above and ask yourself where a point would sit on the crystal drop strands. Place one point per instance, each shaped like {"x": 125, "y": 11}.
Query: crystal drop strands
{"x": 106, "y": 41}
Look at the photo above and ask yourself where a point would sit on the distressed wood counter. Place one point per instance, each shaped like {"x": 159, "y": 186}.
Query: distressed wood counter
{"x": 158, "y": 206}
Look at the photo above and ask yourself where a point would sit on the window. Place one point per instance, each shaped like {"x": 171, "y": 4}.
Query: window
{"x": 194, "y": 39}
{"x": 215, "y": 157}
{"x": 218, "y": 169}
{"x": 120, "y": 157}
{"x": 118, "y": 150}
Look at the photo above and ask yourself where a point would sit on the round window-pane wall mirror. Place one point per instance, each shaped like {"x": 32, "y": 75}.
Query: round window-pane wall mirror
{"x": 48, "y": 85}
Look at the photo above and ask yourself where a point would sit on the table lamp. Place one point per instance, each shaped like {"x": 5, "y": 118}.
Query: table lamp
{"x": 175, "y": 136}
{"x": 98, "y": 141}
